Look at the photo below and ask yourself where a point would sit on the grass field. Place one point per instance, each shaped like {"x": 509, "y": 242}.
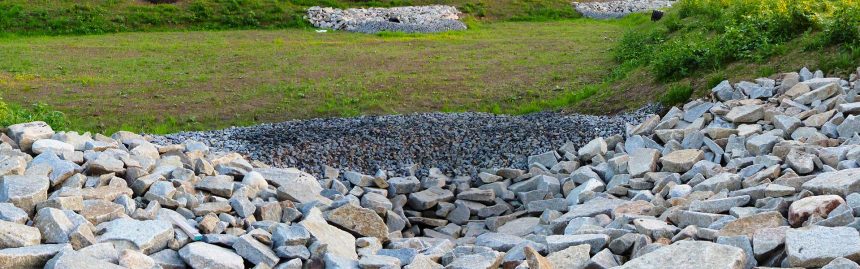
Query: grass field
{"x": 169, "y": 81}
{"x": 75, "y": 17}
{"x": 167, "y": 68}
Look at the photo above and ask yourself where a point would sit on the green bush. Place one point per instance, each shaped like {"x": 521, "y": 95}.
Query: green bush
{"x": 843, "y": 27}
{"x": 708, "y": 34}
{"x": 13, "y": 114}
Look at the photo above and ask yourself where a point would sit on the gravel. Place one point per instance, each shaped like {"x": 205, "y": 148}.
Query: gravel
{"x": 459, "y": 143}
{"x": 618, "y": 9}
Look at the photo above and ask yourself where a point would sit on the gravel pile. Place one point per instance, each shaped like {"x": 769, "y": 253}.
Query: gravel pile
{"x": 413, "y": 19}
{"x": 766, "y": 175}
{"x": 619, "y": 8}
{"x": 459, "y": 143}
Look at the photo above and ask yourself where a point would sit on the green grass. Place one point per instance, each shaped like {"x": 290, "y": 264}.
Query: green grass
{"x": 169, "y": 81}
{"x": 12, "y": 114}
{"x": 699, "y": 43}
{"x": 702, "y": 35}
{"x": 65, "y": 17}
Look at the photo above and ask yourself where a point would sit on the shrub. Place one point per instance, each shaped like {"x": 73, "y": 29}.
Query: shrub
{"x": 677, "y": 94}
{"x": 700, "y": 34}
{"x": 13, "y": 114}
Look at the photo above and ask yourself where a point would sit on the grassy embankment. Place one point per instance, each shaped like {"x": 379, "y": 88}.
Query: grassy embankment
{"x": 169, "y": 81}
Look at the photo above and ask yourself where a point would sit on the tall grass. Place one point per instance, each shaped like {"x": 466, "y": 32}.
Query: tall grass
{"x": 699, "y": 35}
{"x": 13, "y": 114}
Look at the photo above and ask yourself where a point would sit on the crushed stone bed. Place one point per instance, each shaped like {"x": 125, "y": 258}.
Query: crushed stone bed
{"x": 460, "y": 143}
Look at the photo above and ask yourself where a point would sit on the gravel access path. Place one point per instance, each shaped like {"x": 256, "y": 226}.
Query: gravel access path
{"x": 459, "y": 143}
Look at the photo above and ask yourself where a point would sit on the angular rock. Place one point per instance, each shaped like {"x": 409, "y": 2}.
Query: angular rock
{"x": 428, "y": 198}
{"x": 13, "y": 235}
{"x": 560, "y": 242}
{"x": 746, "y": 114}
{"x": 749, "y": 225}
{"x": 691, "y": 254}
{"x": 254, "y": 251}
{"x": 643, "y": 160}
{"x": 842, "y": 182}
{"x": 30, "y": 257}
{"x": 340, "y": 243}
{"x": 816, "y": 246}
{"x": 148, "y": 236}
{"x": 574, "y": 257}
{"x": 76, "y": 260}
{"x": 24, "y": 191}
{"x": 681, "y": 161}
{"x": 25, "y": 134}
{"x": 358, "y": 220}
{"x": 813, "y": 206}
{"x": 203, "y": 255}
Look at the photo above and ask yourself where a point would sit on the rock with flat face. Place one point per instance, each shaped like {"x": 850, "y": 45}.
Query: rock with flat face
{"x": 54, "y": 225}
{"x": 303, "y": 191}
{"x": 9, "y": 212}
{"x": 560, "y": 242}
{"x": 13, "y": 235}
{"x": 535, "y": 260}
{"x": 818, "y": 206}
{"x": 378, "y": 262}
{"x": 358, "y": 220}
{"x": 642, "y": 160}
{"x": 71, "y": 259}
{"x": 340, "y": 243}
{"x": 218, "y": 185}
{"x": 691, "y": 255}
{"x": 749, "y": 225}
{"x": 32, "y": 256}
{"x": 58, "y": 147}
{"x": 680, "y": 161}
{"x": 520, "y": 226}
{"x": 98, "y": 211}
{"x": 430, "y": 197}
{"x": 547, "y": 159}
{"x": 148, "y": 236}
{"x": 746, "y": 114}
{"x": 498, "y": 241}
{"x": 203, "y": 255}
{"x": 133, "y": 259}
{"x": 24, "y": 191}
{"x": 816, "y": 246}
{"x": 168, "y": 259}
{"x": 25, "y": 134}
{"x": 254, "y": 251}
{"x": 849, "y": 127}
{"x": 819, "y": 94}
{"x": 60, "y": 169}
{"x": 842, "y": 182}
{"x": 574, "y": 257}
{"x": 482, "y": 260}
{"x": 594, "y": 147}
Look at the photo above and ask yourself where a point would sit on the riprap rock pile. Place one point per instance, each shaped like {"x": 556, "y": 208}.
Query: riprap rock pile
{"x": 767, "y": 174}
{"x": 618, "y": 8}
{"x": 412, "y": 19}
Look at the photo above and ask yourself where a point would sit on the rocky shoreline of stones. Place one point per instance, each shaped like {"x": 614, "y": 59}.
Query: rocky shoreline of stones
{"x": 618, "y": 8}
{"x": 767, "y": 174}
{"x": 409, "y": 19}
